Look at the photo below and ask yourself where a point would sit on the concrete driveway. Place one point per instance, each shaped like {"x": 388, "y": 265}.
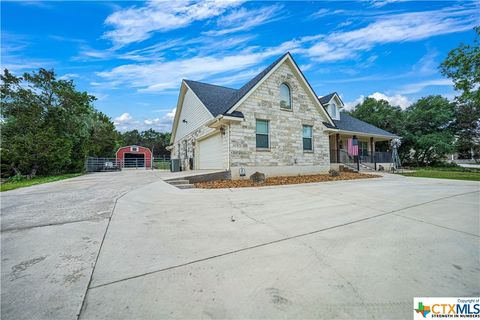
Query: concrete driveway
{"x": 347, "y": 249}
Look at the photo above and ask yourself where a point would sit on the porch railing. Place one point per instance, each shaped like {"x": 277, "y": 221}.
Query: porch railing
{"x": 365, "y": 157}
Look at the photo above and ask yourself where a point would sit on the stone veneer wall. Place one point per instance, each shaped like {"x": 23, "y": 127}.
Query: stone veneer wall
{"x": 286, "y": 155}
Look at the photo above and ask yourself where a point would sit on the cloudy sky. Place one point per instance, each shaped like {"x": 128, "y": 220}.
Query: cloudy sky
{"x": 133, "y": 55}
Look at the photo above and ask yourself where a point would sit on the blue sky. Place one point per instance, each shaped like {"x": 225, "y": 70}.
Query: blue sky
{"x": 133, "y": 55}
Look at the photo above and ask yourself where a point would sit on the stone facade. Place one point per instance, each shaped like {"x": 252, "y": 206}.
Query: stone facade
{"x": 285, "y": 155}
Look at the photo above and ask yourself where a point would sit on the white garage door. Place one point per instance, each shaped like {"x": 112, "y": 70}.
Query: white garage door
{"x": 210, "y": 153}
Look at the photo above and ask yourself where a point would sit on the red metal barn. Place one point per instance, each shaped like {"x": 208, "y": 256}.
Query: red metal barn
{"x": 134, "y": 157}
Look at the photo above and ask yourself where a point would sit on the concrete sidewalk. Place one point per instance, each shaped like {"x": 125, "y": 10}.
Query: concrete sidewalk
{"x": 347, "y": 249}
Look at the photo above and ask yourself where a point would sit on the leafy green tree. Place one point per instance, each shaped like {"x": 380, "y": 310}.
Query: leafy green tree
{"x": 462, "y": 65}
{"x": 104, "y": 138}
{"x": 132, "y": 137}
{"x": 428, "y": 130}
{"x": 156, "y": 141}
{"x": 49, "y": 127}
{"x": 467, "y": 130}
{"x": 380, "y": 114}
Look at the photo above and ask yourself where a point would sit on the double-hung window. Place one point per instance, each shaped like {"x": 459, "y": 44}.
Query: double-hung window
{"x": 307, "y": 138}
{"x": 262, "y": 134}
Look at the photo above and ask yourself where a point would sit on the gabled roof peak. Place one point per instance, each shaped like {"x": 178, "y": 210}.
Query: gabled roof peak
{"x": 326, "y": 99}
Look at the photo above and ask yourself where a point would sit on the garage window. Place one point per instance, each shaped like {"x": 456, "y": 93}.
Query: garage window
{"x": 307, "y": 138}
{"x": 262, "y": 134}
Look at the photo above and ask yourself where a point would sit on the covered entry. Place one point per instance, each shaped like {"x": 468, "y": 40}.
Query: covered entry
{"x": 210, "y": 152}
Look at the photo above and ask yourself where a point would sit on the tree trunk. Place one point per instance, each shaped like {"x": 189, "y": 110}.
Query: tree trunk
{"x": 424, "y": 155}
{"x": 17, "y": 172}
{"x": 33, "y": 172}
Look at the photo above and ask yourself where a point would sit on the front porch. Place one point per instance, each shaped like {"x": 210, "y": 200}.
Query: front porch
{"x": 369, "y": 157}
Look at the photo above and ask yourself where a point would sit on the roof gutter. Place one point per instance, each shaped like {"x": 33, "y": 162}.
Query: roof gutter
{"x": 222, "y": 119}
{"x": 368, "y": 134}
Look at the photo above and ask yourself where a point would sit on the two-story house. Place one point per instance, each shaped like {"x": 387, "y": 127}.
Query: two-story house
{"x": 274, "y": 124}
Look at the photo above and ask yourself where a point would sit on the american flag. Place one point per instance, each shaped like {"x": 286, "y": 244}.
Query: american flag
{"x": 352, "y": 148}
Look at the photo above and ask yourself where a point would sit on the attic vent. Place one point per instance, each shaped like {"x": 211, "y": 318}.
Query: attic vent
{"x": 134, "y": 149}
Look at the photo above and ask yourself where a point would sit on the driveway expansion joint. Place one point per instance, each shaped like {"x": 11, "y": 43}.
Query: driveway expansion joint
{"x": 392, "y": 212}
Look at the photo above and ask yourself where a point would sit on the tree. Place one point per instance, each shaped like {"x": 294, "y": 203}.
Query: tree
{"x": 49, "y": 127}
{"x": 104, "y": 138}
{"x": 156, "y": 141}
{"x": 428, "y": 130}
{"x": 380, "y": 114}
{"x": 462, "y": 65}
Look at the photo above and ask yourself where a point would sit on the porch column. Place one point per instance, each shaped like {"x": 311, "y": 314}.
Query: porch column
{"x": 372, "y": 152}
{"x": 337, "y": 147}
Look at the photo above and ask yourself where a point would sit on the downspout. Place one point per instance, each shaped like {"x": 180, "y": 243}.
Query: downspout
{"x": 228, "y": 145}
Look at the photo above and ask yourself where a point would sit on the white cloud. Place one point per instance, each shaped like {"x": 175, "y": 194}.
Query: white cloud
{"x": 161, "y": 76}
{"x": 125, "y": 117}
{"x": 202, "y": 58}
{"x": 391, "y": 28}
{"x": 13, "y": 57}
{"x": 171, "y": 115}
{"x": 136, "y": 24}
{"x": 320, "y": 13}
{"x": 126, "y": 122}
{"x": 69, "y": 76}
{"x": 351, "y": 104}
{"x": 394, "y": 100}
{"x": 419, "y": 86}
{"x": 243, "y": 19}
{"x": 381, "y": 3}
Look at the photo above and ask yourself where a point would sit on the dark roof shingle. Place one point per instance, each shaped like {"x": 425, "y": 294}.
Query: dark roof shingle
{"x": 327, "y": 98}
{"x": 218, "y": 99}
{"x": 349, "y": 123}
{"x": 213, "y": 97}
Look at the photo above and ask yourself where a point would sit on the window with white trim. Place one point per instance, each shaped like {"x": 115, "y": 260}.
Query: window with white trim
{"x": 307, "y": 138}
{"x": 262, "y": 134}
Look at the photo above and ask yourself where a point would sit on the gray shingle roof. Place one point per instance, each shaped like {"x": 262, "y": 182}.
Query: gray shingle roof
{"x": 349, "y": 123}
{"x": 325, "y": 99}
{"x": 218, "y": 99}
{"x": 215, "y": 98}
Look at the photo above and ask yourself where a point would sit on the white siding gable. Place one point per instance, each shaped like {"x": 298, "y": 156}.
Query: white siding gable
{"x": 194, "y": 113}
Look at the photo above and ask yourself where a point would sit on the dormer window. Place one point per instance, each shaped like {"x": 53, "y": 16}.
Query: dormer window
{"x": 285, "y": 96}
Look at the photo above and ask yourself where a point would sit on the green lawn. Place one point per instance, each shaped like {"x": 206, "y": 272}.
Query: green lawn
{"x": 446, "y": 173}
{"x": 10, "y": 185}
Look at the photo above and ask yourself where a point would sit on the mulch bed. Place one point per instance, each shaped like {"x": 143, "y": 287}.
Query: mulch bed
{"x": 275, "y": 181}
